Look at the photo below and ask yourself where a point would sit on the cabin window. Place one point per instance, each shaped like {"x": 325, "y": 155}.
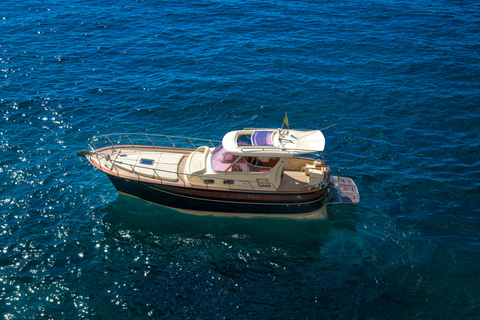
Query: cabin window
{"x": 148, "y": 162}
{"x": 262, "y": 138}
{"x": 244, "y": 140}
{"x": 209, "y": 181}
{"x": 223, "y": 160}
{"x": 218, "y": 148}
{"x": 263, "y": 183}
{"x": 228, "y": 181}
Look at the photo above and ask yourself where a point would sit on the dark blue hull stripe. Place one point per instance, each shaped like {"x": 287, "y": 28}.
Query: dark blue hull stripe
{"x": 182, "y": 201}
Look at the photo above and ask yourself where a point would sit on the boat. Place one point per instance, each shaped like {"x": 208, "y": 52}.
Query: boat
{"x": 254, "y": 171}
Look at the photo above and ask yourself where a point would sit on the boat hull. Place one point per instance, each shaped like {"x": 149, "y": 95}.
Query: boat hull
{"x": 226, "y": 201}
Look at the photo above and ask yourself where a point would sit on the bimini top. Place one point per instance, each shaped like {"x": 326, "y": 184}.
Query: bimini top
{"x": 273, "y": 142}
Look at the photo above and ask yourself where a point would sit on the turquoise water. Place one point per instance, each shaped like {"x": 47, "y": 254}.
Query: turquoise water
{"x": 399, "y": 80}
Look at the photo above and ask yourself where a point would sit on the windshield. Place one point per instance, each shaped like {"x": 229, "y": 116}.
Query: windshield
{"x": 223, "y": 160}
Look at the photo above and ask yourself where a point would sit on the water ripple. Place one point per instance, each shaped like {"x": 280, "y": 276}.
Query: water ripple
{"x": 397, "y": 79}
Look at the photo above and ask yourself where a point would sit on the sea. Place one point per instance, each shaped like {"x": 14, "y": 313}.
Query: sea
{"x": 393, "y": 85}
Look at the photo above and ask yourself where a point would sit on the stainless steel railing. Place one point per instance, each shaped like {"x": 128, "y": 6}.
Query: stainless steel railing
{"x": 156, "y": 140}
{"x": 155, "y": 174}
{"x": 153, "y": 140}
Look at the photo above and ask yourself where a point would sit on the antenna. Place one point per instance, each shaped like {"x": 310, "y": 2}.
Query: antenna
{"x": 328, "y": 127}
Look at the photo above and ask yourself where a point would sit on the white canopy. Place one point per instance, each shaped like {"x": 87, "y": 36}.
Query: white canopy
{"x": 273, "y": 142}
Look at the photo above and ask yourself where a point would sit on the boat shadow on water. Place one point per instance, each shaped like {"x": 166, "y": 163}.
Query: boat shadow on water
{"x": 141, "y": 220}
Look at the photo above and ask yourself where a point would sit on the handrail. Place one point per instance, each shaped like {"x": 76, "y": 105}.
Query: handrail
{"x": 173, "y": 144}
{"x": 187, "y": 174}
{"x": 109, "y": 139}
{"x": 195, "y": 142}
{"x": 321, "y": 185}
{"x": 129, "y": 139}
{"x": 268, "y": 148}
{"x": 153, "y": 144}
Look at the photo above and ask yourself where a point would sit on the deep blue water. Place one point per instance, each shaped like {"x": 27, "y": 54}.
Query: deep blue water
{"x": 399, "y": 78}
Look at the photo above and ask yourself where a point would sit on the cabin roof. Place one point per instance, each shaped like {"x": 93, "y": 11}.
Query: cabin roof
{"x": 273, "y": 142}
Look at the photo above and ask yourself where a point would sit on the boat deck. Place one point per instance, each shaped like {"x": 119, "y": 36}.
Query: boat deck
{"x": 293, "y": 181}
{"x": 167, "y": 166}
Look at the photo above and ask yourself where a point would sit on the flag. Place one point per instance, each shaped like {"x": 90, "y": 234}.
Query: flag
{"x": 285, "y": 121}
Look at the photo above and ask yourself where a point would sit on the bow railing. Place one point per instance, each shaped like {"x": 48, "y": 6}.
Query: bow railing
{"x": 152, "y": 140}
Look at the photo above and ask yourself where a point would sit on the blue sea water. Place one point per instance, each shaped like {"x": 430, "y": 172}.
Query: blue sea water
{"x": 400, "y": 79}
